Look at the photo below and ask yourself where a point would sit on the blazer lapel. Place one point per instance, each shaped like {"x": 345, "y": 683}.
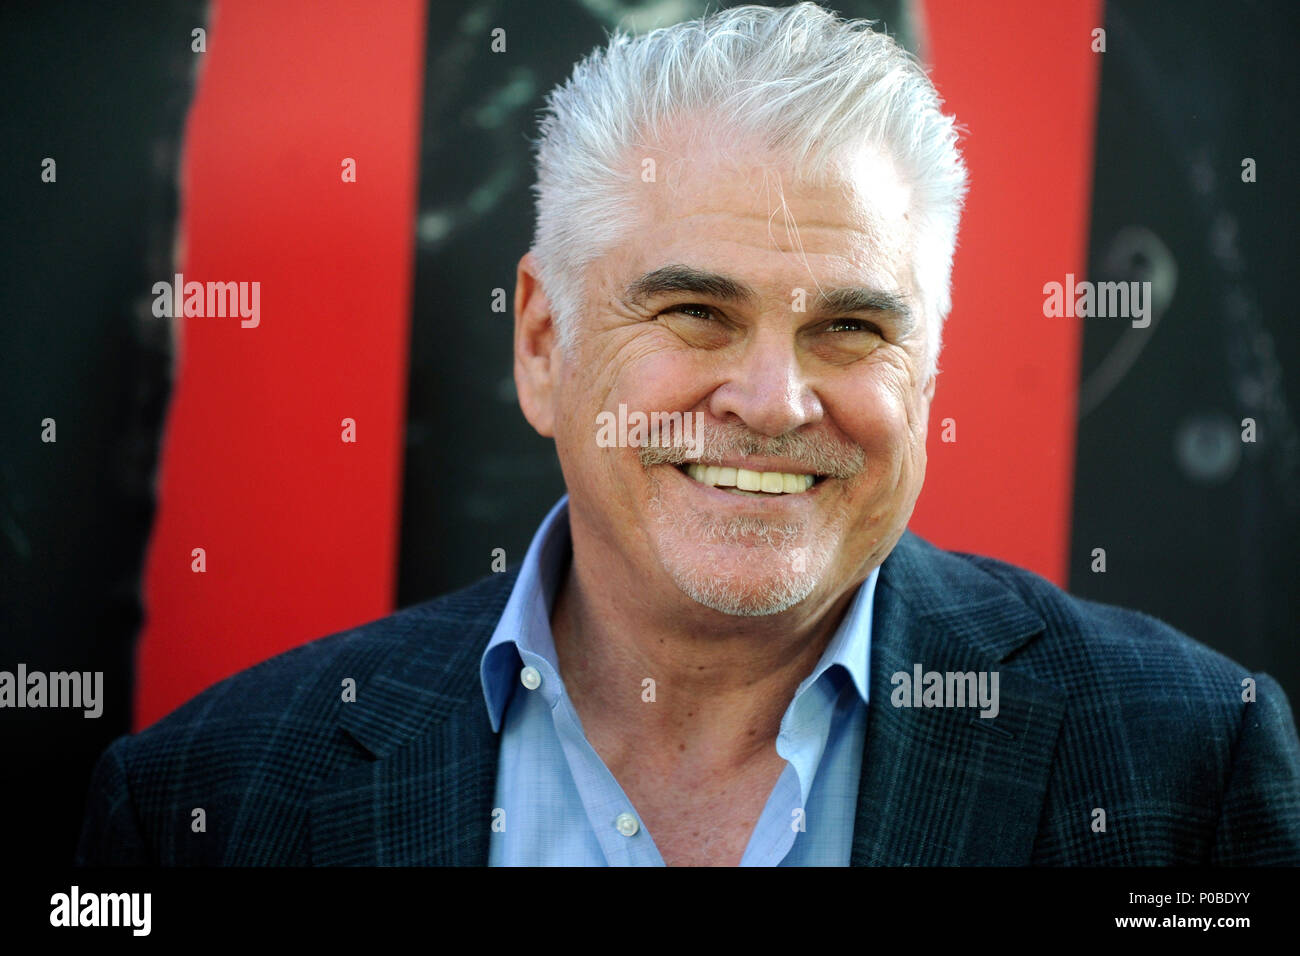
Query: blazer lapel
{"x": 939, "y": 786}
{"x": 943, "y": 786}
{"x": 426, "y": 796}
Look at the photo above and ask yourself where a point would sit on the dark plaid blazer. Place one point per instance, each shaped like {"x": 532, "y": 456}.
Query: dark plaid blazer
{"x": 1100, "y": 708}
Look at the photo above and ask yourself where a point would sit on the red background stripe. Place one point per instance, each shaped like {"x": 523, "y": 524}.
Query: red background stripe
{"x": 1022, "y": 77}
{"x": 300, "y": 529}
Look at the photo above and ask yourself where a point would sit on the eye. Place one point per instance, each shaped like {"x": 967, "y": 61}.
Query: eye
{"x": 699, "y": 326}
{"x": 845, "y": 341}
{"x": 692, "y": 310}
{"x": 852, "y": 325}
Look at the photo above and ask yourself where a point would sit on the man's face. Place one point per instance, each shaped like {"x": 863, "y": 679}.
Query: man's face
{"x": 795, "y": 332}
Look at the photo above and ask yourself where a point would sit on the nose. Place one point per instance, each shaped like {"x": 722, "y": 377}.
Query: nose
{"x": 766, "y": 389}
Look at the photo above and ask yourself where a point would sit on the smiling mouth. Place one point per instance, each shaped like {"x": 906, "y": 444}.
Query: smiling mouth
{"x": 756, "y": 484}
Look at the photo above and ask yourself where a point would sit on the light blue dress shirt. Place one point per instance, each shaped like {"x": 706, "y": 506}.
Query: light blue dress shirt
{"x": 563, "y": 807}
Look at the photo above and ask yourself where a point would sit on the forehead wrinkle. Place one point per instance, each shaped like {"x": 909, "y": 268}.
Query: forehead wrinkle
{"x": 839, "y": 220}
{"x": 841, "y": 299}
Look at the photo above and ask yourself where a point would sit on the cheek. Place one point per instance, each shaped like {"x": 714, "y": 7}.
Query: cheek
{"x": 577, "y": 403}
{"x": 596, "y": 381}
{"x": 651, "y": 377}
{"x": 877, "y": 416}
{"x": 881, "y": 417}
{"x": 654, "y": 350}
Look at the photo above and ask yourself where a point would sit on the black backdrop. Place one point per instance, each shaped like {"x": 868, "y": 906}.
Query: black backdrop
{"x": 1200, "y": 529}
{"x": 103, "y": 90}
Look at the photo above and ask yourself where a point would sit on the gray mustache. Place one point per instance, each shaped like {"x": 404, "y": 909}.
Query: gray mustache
{"x": 815, "y": 454}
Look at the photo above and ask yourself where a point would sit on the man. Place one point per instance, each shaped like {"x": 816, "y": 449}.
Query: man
{"x": 723, "y": 646}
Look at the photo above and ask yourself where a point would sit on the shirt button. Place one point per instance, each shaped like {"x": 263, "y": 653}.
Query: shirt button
{"x": 531, "y": 678}
{"x": 626, "y": 824}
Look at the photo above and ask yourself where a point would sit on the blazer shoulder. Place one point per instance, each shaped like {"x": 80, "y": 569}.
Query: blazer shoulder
{"x": 251, "y": 749}
{"x": 300, "y": 691}
{"x": 1192, "y": 754}
{"x": 1108, "y": 635}
{"x": 1118, "y": 657}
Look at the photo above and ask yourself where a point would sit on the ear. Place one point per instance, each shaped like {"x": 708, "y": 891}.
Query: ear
{"x": 536, "y": 361}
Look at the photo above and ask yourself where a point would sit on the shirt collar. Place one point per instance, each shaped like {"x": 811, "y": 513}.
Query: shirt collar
{"x": 525, "y": 624}
{"x": 850, "y": 647}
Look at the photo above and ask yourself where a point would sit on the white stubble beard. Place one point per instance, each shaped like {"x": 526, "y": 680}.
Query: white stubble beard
{"x": 788, "y": 576}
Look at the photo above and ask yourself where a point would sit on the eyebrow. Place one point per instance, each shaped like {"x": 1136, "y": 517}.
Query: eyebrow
{"x": 678, "y": 278}
{"x": 868, "y": 300}
{"x": 681, "y": 279}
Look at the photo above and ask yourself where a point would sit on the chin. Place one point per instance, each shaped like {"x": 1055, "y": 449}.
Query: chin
{"x": 744, "y": 598}
{"x": 751, "y": 561}
{"x": 742, "y": 569}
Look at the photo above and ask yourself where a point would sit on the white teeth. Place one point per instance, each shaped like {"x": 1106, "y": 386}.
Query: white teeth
{"x": 742, "y": 479}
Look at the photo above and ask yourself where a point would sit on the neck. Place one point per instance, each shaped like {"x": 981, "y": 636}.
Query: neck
{"x": 721, "y": 683}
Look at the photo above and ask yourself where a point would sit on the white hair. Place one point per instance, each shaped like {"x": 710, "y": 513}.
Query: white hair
{"x": 811, "y": 86}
